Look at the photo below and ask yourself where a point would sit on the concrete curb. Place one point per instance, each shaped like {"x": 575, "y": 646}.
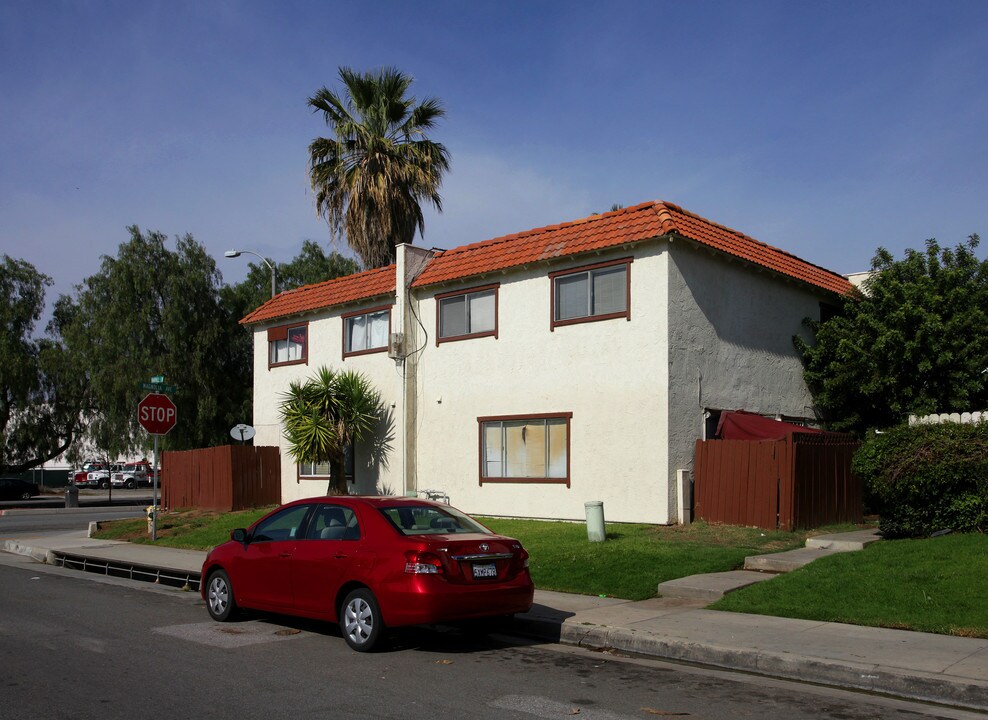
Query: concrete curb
{"x": 913, "y": 685}
{"x": 15, "y": 547}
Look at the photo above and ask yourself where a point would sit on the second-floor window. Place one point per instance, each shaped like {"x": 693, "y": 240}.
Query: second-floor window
{"x": 595, "y": 292}
{"x": 467, "y": 314}
{"x": 366, "y": 331}
{"x": 287, "y": 344}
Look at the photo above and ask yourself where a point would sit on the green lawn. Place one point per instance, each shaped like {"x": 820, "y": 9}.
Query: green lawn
{"x": 630, "y": 564}
{"x": 937, "y": 585}
{"x": 635, "y": 558}
{"x": 190, "y": 530}
{"x": 934, "y": 585}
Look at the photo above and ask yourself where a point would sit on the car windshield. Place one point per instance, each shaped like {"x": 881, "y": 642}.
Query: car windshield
{"x": 428, "y": 519}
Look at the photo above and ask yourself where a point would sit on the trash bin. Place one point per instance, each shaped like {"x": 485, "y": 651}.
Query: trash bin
{"x": 71, "y": 496}
{"x": 595, "y": 520}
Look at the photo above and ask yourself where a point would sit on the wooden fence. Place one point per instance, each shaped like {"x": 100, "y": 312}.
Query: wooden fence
{"x": 804, "y": 481}
{"x": 226, "y": 478}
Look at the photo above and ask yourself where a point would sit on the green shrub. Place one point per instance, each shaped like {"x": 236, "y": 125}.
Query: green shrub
{"x": 927, "y": 478}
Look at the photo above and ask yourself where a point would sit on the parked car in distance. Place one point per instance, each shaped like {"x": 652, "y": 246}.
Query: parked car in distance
{"x": 17, "y": 489}
{"x": 130, "y": 475}
{"x": 368, "y": 563}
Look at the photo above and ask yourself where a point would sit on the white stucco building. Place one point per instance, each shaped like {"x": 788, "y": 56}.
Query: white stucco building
{"x": 532, "y": 373}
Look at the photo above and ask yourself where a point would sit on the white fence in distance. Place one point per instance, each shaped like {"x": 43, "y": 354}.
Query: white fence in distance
{"x": 963, "y": 418}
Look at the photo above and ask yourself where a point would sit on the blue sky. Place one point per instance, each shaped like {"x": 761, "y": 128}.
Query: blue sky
{"x": 824, "y": 128}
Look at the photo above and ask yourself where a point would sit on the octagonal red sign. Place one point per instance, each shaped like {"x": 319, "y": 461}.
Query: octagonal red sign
{"x": 156, "y": 413}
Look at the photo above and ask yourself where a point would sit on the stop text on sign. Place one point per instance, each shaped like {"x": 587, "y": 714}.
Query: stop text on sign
{"x": 157, "y": 414}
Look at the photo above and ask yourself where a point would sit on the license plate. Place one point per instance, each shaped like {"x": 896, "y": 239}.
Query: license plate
{"x": 485, "y": 570}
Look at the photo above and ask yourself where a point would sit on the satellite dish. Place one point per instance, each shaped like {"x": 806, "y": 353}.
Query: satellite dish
{"x": 242, "y": 432}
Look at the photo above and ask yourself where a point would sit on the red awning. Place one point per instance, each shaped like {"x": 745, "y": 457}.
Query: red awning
{"x": 742, "y": 425}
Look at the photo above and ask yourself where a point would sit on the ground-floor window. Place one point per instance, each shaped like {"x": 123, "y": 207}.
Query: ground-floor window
{"x": 321, "y": 470}
{"x": 525, "y": 448}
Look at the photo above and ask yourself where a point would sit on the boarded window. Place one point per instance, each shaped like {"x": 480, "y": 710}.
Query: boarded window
{"x": 522, "y": 448}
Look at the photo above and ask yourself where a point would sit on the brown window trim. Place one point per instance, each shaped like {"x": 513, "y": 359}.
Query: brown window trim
{"x": 280, "y": 332}
{"x": 553, "y": 323}
{"x": 299, "y": 477}
{"x": 468, "y": 291}
{"x": 568, "y": 416}
{"x": 357, "y": 313}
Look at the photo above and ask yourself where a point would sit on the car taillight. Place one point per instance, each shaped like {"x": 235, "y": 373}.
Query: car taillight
{"x": 422, "y": 563}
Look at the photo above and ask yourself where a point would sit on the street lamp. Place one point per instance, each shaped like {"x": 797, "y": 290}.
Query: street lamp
{"x": 238, "y": 253}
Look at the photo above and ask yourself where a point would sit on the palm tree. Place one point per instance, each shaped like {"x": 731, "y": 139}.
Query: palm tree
{"x": 370, "y": 178}
{"x": 327, "y": 414}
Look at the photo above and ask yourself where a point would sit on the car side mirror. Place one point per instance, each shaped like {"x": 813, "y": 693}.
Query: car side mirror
{"x": 239, "y": 535}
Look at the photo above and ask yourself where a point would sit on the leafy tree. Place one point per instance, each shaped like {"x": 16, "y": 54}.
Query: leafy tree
{"x": 311, "y": 265}
{"x": 371, "y": 177}
{"x": 39, "y": 396}
{"x": 155, "y": 311}
{"x": 914, "y": 342}
{"x": 327, "y": 414}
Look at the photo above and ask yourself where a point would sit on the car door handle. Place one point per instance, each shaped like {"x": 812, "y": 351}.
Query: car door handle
{"x": 285, "y": 554}
{"x": 340, "y": 557}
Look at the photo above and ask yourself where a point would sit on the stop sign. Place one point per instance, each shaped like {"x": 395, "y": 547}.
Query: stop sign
{"x": 156, "y": 413}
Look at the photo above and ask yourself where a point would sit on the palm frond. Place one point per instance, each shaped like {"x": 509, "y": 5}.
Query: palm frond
{"x": 370, "y": 179}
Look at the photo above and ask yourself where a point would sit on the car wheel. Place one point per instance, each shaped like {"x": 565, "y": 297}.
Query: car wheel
{"x": 26, "y": 496}
{"x": 105, "y": 484}
{"x": 219, "y": 597}
{"x": 131, "y": 484}
{"x": 360, "y": 620}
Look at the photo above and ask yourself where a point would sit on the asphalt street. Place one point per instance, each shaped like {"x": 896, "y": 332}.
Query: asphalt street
{"x": 81, "y": 646}
{"x": 41, "y": 522}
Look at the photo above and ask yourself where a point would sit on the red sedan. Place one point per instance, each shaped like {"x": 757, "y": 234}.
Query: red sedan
{"x": 368, "y": 563}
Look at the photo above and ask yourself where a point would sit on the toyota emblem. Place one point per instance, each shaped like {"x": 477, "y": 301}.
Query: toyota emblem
{"x": 485, "y": 547}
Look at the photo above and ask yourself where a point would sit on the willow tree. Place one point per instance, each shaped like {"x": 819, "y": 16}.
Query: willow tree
{"x": 327, "y": 414}
{"x": 40, "y": 395}
{"x": 155, "y": 308}
{"x": 371, "y": 177}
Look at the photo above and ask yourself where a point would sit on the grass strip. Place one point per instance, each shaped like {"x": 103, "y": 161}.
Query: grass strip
{"x": 635, "y": 558}
{"x": 937, "y": 585}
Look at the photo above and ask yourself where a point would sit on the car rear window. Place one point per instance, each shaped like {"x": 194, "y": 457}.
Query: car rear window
{"x": 430, "y": 520}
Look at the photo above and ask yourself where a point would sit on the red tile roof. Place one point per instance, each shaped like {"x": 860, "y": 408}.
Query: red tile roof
{"x": 361, "y": 286}
{"x": 629, "y": 225}
{"x": 598, "y": 232}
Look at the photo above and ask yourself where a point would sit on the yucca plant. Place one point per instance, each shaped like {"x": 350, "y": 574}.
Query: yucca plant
{"x": 326, "y": 414}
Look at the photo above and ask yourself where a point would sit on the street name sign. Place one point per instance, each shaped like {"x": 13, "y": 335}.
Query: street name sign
{"x": 157, "y": 387}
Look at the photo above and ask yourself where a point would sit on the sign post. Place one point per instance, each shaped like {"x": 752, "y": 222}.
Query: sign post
{"x": 157, "y": 414}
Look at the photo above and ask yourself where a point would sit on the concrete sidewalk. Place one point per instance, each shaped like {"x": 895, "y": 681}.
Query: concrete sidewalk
{"x": 919, "y": 666}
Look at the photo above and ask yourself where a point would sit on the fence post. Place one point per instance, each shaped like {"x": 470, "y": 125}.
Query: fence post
{"x": 684, "y": 497}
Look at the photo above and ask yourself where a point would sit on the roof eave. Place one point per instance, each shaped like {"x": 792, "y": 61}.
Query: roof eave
{"x": 547, "y": 261}
{"x": 315, "y": 311}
